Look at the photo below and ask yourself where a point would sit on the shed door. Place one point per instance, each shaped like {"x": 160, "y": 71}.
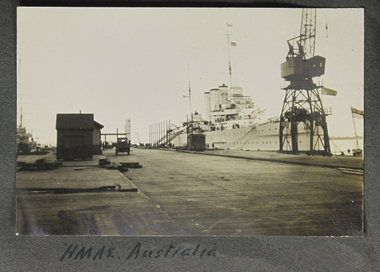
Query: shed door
{"x": 73, "y": 145}
{"x": 73, "y": 140}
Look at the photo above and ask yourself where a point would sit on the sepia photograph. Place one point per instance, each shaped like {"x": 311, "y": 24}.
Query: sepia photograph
{"x": 234, "y": 122}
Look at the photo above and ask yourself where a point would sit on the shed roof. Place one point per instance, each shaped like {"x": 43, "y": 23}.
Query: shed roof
{"x": 98, "y": 125}
{"x": 75, "y": 121}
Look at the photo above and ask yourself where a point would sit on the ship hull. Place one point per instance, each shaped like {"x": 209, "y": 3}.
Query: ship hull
{"x": 262, "y": 137}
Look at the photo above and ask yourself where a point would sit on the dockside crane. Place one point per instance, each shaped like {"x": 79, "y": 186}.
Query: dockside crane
{"x": 302, "y": 102}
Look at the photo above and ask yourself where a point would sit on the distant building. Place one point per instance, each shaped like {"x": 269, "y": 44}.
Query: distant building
{"x": 78, "y": 136}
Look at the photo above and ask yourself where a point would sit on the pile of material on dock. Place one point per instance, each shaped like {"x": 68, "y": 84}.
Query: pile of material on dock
{"x": 103, "y": 160}
{"x": 351, "y": 171}
{"x": 121, "y": 166}
{"x": 34, "y": 161}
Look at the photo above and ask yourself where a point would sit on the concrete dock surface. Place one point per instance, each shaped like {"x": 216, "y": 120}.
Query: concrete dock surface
{"x": 334, "y": 161}
{"x": 188, "y": 193}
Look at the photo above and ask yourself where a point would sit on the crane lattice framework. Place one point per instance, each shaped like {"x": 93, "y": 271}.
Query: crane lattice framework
{"x": 302, "y": 102}
{"x": 308, "y": 32}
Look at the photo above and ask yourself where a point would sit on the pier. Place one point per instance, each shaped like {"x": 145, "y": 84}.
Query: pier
{"x": 210, "y": 193}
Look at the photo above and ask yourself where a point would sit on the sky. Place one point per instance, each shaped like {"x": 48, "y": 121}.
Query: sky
{"x": 138, "y": 63}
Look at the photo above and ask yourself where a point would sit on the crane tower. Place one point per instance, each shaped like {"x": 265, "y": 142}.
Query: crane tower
{"x": 302, "y": 102}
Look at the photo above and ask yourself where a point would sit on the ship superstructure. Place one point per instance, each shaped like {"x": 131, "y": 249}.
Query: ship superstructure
{"x": 232, "y": 121}
{"x": 25, "y": 142}
{"x": 228, "y": 108}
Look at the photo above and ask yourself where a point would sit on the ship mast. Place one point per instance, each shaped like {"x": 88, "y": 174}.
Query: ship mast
{"x": 356, "y": 134}
{"x": 21, "y": 118}
{"x": 229, "y": 56}
{"x": 18, "y": 70}
{"x": 188, "y": 67}
{"x": 191, "y": 114}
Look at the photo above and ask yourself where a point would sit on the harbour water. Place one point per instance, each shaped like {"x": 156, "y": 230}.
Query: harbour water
{"x": 343, "y": 145}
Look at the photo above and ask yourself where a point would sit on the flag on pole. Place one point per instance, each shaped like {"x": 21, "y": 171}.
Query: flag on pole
{"x": 233, "y": 43}
{"x": 327, "y": 91}
{"x": 357, "y": 113}
{"x": 229, "y": 24}
{"x": 128, "y": 128}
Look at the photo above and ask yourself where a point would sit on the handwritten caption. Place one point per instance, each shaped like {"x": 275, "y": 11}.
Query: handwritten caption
{"x": 75, "y": 252}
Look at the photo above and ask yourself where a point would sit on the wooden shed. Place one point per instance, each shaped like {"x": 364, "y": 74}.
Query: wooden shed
{"x": 78, "y": 136}
{"x": 97, "y": 139}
